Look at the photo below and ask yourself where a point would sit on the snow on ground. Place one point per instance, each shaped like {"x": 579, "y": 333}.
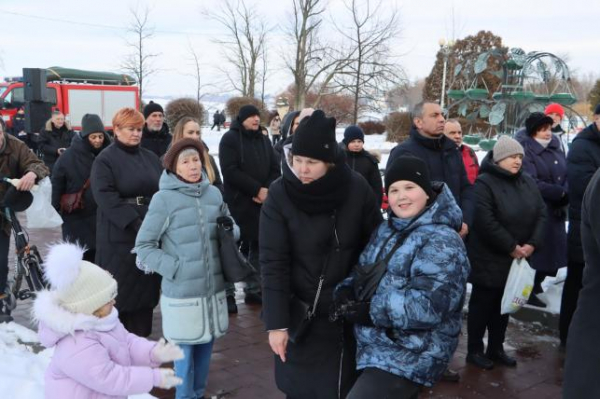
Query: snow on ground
{"x": 23, "y": 362}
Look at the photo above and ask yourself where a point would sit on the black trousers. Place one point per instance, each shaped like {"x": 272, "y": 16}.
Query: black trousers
{"x": 570, "y": 295}
{"x": 376, "y": 383}
{"x": 138, "y": 322}
{"x": 4, "y": 245}
{"x": 484, "y": 313}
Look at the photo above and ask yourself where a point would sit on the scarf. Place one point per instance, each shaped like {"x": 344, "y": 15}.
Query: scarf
{"x": 544, "y": 143}
{"x": 322, "y": 195}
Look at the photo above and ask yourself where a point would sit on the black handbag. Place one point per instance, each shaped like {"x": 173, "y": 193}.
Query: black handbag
{"x": 302, "y": 313}
{"x": 368, "y": 277}
{"x": 235, "y": 265}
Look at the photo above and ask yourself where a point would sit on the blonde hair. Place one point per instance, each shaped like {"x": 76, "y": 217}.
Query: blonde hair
{"x": 178, "y": 135}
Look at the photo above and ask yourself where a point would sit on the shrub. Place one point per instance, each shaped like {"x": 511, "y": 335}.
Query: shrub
{"x": 372, "y": 127}
{"x": 398, "y": 126}
{"x": 233, "y": 105}
{"x": 180, "y": 107}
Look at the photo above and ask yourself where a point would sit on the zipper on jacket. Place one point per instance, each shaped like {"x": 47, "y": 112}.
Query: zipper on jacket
{"x": 209, "y": 276}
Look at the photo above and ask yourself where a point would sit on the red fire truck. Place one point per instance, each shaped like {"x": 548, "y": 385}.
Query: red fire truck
{"x": 75, "y": 93}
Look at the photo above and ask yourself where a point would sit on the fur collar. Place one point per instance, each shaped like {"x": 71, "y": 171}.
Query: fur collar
{"x": 46, "y": 310}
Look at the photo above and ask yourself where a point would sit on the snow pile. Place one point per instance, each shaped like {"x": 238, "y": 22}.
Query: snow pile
{"x": 21, "y": 368}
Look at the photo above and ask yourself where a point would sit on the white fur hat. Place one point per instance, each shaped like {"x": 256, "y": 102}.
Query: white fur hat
{"x": 80, "y": 286}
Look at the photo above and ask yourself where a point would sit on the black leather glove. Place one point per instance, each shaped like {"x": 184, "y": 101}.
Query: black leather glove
{"x": 358, "y": 313}
{"x": 225, "y": 221}
{"x": 343, "y": 296}
{"x": 563, "y": 201}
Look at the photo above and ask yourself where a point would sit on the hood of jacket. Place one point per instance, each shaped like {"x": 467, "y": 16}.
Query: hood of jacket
{"x": 443, "y": 210}
{"x": 489, "y": 166}
{"x": 169, "y": 181}
{"x": 286, "y": 123}
{"x": 51, "y": 128}
{"x": 589, "y": 133}
{"x": 55, "y": 322}
{"x": 442, "y": 143}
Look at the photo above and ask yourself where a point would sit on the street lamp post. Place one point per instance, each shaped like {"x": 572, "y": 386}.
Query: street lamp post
{"x": 446, "y": 49}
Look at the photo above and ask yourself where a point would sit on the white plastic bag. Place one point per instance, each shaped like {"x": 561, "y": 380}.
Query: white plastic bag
{"x": 518, "y": 286}
{"x": 41, "y": 214}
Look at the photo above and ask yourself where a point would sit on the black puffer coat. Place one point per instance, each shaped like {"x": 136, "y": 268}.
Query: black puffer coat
{"x": 247, "y": 163}
{"x": 583, "y": 160}
{"x": 581, "y": 367}
{"x": 294, "y": 245}
{"x": 365, "y": 164}
{"x": 445, "y": 163}
{"x": 157, "y": 142}
{"x": 120, "y": 173}
{"x": 71, "y": 171}
{"x": 509, "y": 211}
{"x": 51, "y": 139}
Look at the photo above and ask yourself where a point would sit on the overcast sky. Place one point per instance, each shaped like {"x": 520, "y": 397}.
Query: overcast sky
{"x": 91, "y": 35}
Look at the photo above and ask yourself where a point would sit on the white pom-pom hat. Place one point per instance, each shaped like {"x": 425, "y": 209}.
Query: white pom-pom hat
{"x": 80, "y": 286}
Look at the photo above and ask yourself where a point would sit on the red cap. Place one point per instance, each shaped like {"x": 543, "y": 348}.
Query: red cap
{"x": 555, "y": 108}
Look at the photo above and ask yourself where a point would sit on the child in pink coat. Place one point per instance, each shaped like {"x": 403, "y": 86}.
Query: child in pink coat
{"x": 94, "y": 356}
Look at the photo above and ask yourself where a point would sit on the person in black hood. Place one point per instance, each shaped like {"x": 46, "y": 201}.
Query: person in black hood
{"x": 317, "y": 219}
{"x": 582, "y": 162}
{"x": 362, "y": 161}
{"x": 288, "y": 126}
{"x": 155, "y": 136}
{"x": 55, "y": 139}
{"x": 18, "y": 129}
{"x": 72, "y": 175}
{"x": 249, "y": 166}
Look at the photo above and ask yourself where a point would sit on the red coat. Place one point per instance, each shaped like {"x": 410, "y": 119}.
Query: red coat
{"x": 471, "y": 162}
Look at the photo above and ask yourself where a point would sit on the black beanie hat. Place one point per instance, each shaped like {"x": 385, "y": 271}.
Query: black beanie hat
{"x": 170, "y": 159}
{"x": 91, "y": 123}
{"x": 535, "y": 121}
{"x": 17, "y": 200}
{"x": 247, "y": 111}
{"x": 597, "y": 110}
{"x": 315, "y": 138}
{"x": 353, "y": 132}
{"x": 411, "y": 169}
{"x": 151, "y": 108}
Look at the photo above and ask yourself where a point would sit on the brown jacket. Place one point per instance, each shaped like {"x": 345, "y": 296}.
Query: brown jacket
{"x": 15, "y": 161}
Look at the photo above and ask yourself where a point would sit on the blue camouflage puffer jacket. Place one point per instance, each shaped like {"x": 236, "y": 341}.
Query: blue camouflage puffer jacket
{"x": 417, "y": 306}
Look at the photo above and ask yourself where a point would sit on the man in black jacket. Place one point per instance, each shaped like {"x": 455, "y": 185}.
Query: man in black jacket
{"x": 249, "y": 166}
{"x": 581, "y": 366}
{"x": 582, "y": 162}
{"x": 155, "y": 136}
{"x": 427, "y": 141}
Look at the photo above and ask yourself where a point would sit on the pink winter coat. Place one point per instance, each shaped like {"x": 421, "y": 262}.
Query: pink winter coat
{"x": 93, "y": 358}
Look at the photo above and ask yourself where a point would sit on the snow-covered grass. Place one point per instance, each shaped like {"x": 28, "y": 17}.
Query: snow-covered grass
{"x": 23, "y": 363}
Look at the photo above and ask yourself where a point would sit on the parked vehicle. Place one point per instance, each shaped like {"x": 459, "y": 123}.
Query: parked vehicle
{"x": 75, "y": 93}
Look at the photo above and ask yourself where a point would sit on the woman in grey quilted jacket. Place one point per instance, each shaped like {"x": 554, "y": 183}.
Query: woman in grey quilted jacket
{"x": 178, "y": 240}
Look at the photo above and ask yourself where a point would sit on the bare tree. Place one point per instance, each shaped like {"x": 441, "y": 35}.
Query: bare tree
{"x": 372, "y": 69}
{"x": 195, "y": 63}
{"x": 265, "y": 68}
{"x": 245, "y": 35}
{"x": 140, "y": 61}
{"x": 314, "y": 63}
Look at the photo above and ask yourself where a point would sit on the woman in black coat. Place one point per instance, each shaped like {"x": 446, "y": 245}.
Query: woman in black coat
{"x": 124, "y": 178}
{"x": 71, "y": 172}
{"x": 319, "y": 213}
{"x": 509, "y": 224}
{"x": 545, "y": 161}
{"x": 55, "y": 139}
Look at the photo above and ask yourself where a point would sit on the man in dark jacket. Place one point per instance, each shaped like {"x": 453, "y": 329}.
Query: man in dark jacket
{"x": 16, "y": 161}
{"x": 581, "y": 367}
{"x": 249, "y": 166}
{"x": 362, "y": 161}
{"x": 55, "y": 139}
{"x": 582, "y": 162}
{"x": 155, "y": 136}
{"x": 427, "y": 141}
{"x": 216, "y": 121}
